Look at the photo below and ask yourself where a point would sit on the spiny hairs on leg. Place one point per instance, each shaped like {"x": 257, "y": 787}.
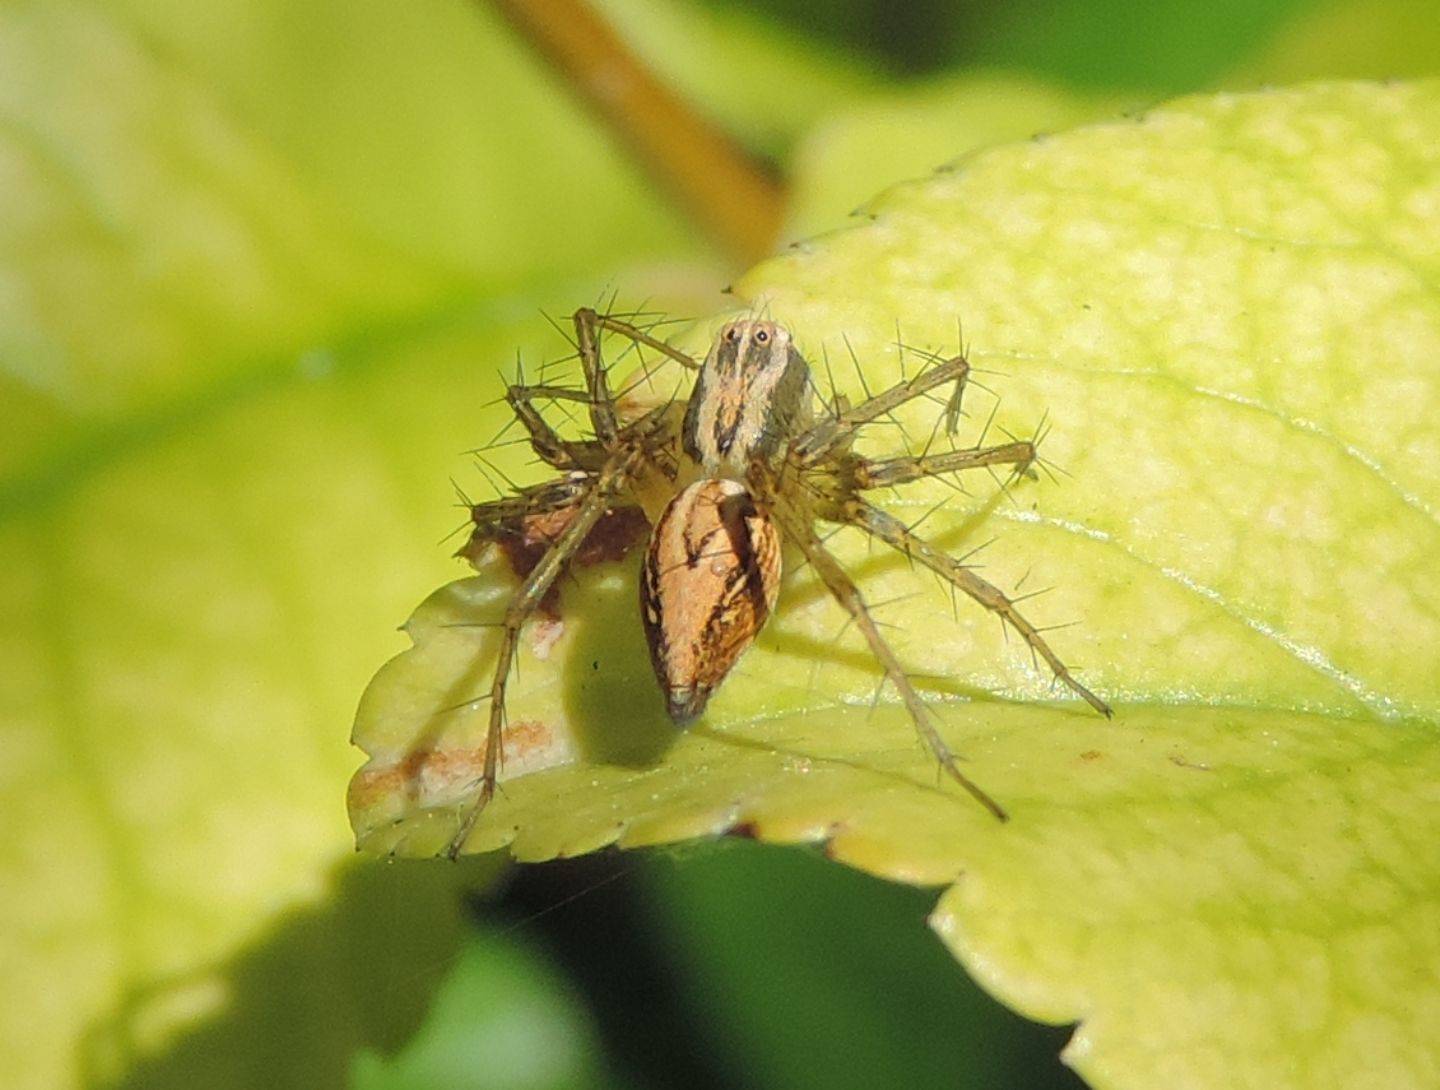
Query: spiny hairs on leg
{"x": 899, "y": 536}
{"x": 889, "y": 472}
{"x": 834, "y": 431}
{"x": 799, "y": 529}
{"x": 609, "y": 463}
{"x": 818, "y": 449}
{"x": 823, "y": 454}
{"x": 638, "y": 334}
{"x": 523, "y": 604}
{"x": 545, "y": 441}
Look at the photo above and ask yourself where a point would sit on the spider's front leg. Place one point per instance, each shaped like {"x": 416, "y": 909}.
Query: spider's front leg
{"x": 835, "y": 431}
{"x": 548, "y": 444}
{"x": 615, "y": 324}
{"x": 602, "y": 402}
{"x": 588, "y": 326}
{"x": 525, "y": 399}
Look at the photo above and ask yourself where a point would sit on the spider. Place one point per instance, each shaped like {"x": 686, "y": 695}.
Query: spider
{"x": 749, "y": 466}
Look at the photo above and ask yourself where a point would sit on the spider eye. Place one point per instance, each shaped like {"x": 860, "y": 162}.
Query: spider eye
{"x": 732, "y": 334}
{"x": 761, "y": 336}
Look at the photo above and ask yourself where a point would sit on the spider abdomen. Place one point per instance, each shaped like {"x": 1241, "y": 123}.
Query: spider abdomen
{"x": 711, "y": 577}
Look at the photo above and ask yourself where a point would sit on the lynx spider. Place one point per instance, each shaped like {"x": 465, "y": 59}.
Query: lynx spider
{"x": 755, "y": 465}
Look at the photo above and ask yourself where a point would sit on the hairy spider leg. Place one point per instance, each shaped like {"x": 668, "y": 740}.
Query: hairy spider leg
{"x": 836, "y": 476}
{"x": 588, "y": 326}
{"x": 820, "y": 447}
{"x": 613, "y": 478}
{"x": 552, "y": 448}
{"x": 900, "y": 537}
{"x": 890, "y": 472}
{"x": 636, "y": 334}
{"x": 800, "y": 529}
{"x": 494, "y": 519}
{"x": 604, "y": 467}
{"x": 602, "y": 404}
{"x": 838, "y": 430}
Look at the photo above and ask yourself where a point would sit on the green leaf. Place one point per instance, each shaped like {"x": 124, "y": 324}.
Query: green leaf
{"x": 908, "y": 132}
{"x": 435, "y": 131}
{"x": 1109, "y": 44}
{"x": 1349, "y": 39}
{"x": 502, "y": 1020}
{"x": 258, "y": 263}
{"x": 1225, "y": 310}
{"x": 892, "y": 1011}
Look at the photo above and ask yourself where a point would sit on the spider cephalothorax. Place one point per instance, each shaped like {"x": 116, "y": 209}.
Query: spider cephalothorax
{"x": 756, "y": 467}
{"x": 712, "y": 565}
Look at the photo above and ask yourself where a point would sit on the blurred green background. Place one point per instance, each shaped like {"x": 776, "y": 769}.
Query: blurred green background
{"x": 252, "y": 257}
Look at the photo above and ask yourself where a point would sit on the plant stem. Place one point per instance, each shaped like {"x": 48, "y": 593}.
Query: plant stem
{"x": 717, "y": 184}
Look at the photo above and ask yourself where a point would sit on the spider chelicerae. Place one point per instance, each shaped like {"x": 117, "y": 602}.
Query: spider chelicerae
{"x": 748, "y": 466}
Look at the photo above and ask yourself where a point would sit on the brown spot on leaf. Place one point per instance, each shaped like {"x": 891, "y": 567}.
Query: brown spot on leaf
{"x": 422, "y": 773}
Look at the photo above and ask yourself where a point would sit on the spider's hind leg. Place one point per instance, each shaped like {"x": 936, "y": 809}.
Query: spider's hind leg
{"x": 799, "y": 529}
{"x": 525, "y": 525}
{"x": 900, "y": 537}
{"x": 589, "y": 508}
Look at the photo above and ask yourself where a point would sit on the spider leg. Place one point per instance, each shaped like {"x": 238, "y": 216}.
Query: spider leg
{"x": 838, "y": 429}
{"x": 602, "y": 402}
{"x": 519, "y": 521}
{"x": 896, "y": 471}
{"x": 800, "y": 530}
{"x": 588, "y": 324}
{"x": 640, "y": 336}
{"x": 564, "y": 454}
{"x": 544, "y": 440}
{"x": 539, "y": 499}
{"x": 899, "y": 536}
{"x": 617, "y": 473}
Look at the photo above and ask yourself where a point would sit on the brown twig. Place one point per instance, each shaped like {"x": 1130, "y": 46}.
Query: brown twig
{"x": 704, "y": 169}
